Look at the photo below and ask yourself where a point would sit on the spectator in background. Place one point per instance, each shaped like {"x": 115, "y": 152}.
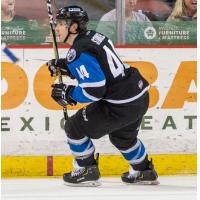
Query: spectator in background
{"x": 156, "y": 10}
{"x": 130, "y": 13}
{"x": 134, "y": 21}
{"x": 184, "y": 10}
{"x": 170, "y": 3}
{"x": 26, "y": 30}
{"x": 8, "y": 11}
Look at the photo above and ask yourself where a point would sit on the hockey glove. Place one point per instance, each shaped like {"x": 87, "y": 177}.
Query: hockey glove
{"x": 61, "y": 64}
{"x": 61, "y": 94}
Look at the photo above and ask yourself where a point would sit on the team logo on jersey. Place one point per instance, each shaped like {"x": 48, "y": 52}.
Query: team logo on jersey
{"x": 71, "y": 55}
{"x": 140, "y": 84}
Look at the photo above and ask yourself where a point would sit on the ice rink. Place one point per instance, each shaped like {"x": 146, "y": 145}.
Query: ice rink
{"x": 170, "y": 188}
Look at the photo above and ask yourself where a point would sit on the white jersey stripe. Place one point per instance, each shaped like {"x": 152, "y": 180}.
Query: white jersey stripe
{"x": 130, "y": 99}
{"x": 95, "y": 84}
{"x": 90, "y": 96}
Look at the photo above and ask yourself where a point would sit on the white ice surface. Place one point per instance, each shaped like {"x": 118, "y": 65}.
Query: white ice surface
{"x": 170, "y": 188}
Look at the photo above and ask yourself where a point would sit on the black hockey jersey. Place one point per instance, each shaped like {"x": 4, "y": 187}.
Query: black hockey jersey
{"x": 100, "y": 73}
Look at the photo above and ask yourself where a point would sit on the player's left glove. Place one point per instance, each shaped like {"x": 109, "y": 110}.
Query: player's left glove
{"x": 61, "y": 94}
{"x": 54, "y": 64}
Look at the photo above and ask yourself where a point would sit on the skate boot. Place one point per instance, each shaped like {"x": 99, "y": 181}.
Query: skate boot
{"x": 88, "y": 176}
{"x": 146, "y": 177}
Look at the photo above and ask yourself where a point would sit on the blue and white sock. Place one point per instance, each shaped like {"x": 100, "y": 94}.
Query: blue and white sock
{"x": 136, "y": 154}
{"x": 81, "y": 148}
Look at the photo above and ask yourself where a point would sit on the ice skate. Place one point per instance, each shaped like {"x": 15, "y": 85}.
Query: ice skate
{"x": 146, "y": 177}
{"x": 88, "y": 176}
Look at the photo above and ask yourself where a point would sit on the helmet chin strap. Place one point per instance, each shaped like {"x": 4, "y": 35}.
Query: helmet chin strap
{"x": 67, "y": 36}
{"x": 69, "y": 32}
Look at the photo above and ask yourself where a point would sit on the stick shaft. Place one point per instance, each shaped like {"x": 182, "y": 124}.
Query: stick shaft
{"x": 55, "y": 46}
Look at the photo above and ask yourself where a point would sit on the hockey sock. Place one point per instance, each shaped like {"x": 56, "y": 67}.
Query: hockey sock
{"x": 136, "y": 156}
{"x": 83, "y": 150}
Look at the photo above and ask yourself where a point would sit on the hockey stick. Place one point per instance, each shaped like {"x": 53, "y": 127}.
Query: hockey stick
{"x": 9, "y": 53}
{"x": 55, "y": 46}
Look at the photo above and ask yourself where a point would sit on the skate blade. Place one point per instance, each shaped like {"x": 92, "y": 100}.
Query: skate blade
{"x": 84, "y": 184}
{"x": 156, "y": 182}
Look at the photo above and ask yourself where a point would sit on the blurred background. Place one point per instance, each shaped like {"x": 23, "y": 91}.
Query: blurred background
{"x": 125, "y": 22}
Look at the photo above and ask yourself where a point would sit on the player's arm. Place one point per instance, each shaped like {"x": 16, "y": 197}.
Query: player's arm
{"x": 91, "y": 79}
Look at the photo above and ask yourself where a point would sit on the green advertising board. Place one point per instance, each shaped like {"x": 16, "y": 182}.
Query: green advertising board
{"x": 34, "y": 32}
{"x": 152, "y": 33}
{"x": 25, "y": 32}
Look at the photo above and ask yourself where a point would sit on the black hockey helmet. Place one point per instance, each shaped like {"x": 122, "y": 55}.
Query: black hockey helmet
{"x": 75, "y": 14}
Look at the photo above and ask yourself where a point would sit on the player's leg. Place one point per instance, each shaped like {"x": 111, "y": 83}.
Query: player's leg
{"x": 133, "y": 150}
{"x": 89, "y": 122}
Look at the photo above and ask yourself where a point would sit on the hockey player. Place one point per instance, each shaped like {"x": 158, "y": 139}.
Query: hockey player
{"x": 118, "y": 97}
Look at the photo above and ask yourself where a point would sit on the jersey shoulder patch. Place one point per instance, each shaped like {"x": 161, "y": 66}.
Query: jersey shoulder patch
{"x": 71, "y": 55}
{"x": 98, "y": 38}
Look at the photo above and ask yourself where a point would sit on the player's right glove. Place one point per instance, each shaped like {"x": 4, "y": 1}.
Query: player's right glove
{"x": 54, "y": 64}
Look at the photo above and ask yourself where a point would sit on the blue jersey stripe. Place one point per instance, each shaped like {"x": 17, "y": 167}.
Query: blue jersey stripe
{"x": 77, "y": 95}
